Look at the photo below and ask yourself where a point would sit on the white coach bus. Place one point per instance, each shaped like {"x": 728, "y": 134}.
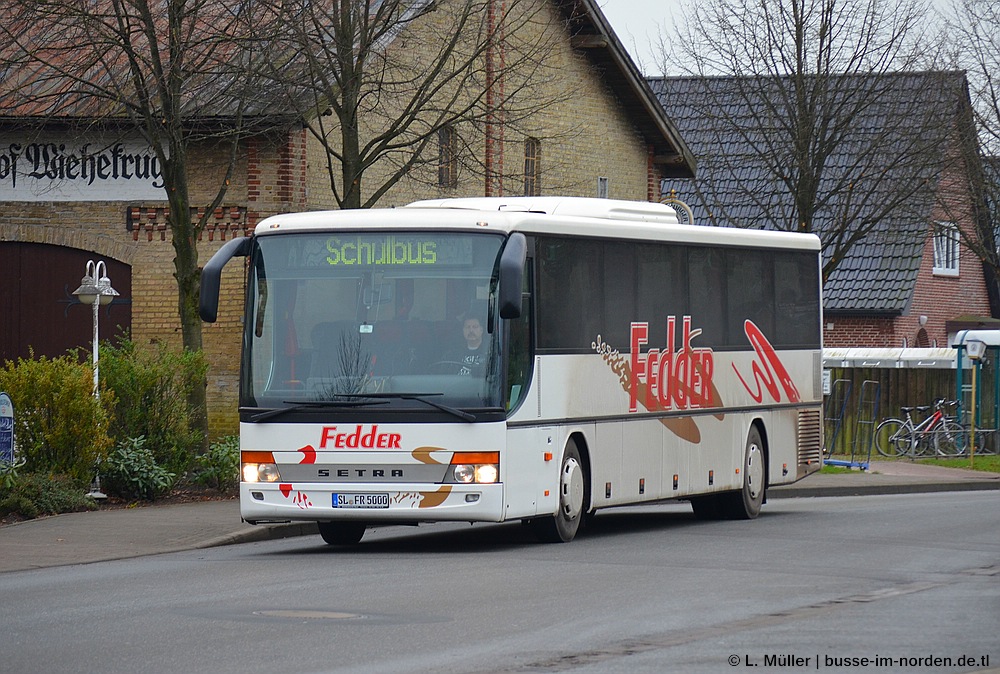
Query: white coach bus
{"x": 535, "y": 359}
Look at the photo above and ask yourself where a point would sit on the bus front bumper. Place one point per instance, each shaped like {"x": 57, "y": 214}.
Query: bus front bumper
{"x": 303, "y": 502}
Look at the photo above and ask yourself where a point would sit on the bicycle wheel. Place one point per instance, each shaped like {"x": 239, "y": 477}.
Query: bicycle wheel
{"x": 892, "y": 438}
{"x": 950, "y": 439}
{"x": 923, "y": 444}
{"x": 983, "y": 443}
{"x": 962, "y": 440}
{"x": 964, "y": 446}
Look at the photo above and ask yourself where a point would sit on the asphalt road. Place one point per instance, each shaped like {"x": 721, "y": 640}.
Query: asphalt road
{"x": 813, "y": 585}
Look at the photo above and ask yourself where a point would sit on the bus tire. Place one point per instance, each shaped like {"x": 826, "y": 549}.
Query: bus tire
{"x": 573, "y": 492}
{"x": 745, "y": 504}
{"x": 342, "y": 533}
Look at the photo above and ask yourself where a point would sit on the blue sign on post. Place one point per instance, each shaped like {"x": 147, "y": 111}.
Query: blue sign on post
{"x": 6, "y": 429}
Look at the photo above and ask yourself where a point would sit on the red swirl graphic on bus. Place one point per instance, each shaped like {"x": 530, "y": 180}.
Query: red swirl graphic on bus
{"x": 308, "y": 454}
{"x": 768, "y": 370}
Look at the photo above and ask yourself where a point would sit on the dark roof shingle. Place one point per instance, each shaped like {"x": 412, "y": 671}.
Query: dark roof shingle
{"x": 742, "y": 160}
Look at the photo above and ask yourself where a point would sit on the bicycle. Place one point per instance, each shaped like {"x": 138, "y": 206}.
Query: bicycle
{"x": 938, "y": 432}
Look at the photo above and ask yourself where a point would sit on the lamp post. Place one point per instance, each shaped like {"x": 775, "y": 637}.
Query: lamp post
{"x": 95, "y": 289}
{"x": 977, "y": 349}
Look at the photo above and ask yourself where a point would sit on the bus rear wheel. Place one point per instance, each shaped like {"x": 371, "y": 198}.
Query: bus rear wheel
{"x": 342, "y": 533}
{"x": 745, "y": 504}
{"x": 564, "y": 525}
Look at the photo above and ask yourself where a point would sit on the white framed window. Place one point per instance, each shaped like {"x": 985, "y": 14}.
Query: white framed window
{"x": 602, "y": 187}
{"x": 946, "y": 248}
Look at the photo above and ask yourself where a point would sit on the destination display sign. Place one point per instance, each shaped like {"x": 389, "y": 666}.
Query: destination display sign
{"x": 373, "y": 251}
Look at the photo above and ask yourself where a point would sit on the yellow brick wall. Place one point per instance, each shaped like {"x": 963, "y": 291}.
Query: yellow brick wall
{"x": 583, "y": 130}
{"x": 584, "y": 134}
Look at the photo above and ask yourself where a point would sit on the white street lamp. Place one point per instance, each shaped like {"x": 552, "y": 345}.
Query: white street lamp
{"x": 976, "y": 349}
{"x": 95, "y": 289}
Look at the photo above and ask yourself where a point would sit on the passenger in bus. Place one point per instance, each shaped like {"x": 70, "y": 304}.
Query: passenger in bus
{"x": 470, "y": 361}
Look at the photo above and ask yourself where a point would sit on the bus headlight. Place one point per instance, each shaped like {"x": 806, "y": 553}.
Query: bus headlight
{"x": 476, "y": 467}
{"x": 465, "y": 472}
{"x": 258, "y": 467}
{"x": 260, "y": 472}
{"x": 487, "y": 474}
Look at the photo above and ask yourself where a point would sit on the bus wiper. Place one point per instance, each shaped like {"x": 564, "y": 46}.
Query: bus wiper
{"x": 315, "y": 404}
{"x": 419, "y": 397}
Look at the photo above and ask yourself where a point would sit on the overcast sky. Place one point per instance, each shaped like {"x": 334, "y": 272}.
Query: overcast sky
{"x": 638, "y": 24}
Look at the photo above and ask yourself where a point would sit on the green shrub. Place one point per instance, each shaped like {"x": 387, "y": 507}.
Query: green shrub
{"x": 152, "y": 386}
{"x": 60, "y": 427}
{"x": 219, "y": 467}
{"x": 9, "y": 474}
{"x": 131, "y": 472}
{"x": 35, "y": 494}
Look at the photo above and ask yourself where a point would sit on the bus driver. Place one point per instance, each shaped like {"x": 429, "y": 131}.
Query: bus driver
{"x": 472, "y": 359}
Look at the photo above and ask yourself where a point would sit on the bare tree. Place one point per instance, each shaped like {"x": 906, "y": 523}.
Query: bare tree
{"x": 169, "y": 70}
{"x": 377, "y": 81}
{"x": 797, "y": 85}
{"x": 972, "y": 28}
{"x": 975, "y": 31}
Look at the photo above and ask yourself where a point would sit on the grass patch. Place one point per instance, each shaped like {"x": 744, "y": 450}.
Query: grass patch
{"x": 988, "y": 463}
{"x": 833, "y": 470}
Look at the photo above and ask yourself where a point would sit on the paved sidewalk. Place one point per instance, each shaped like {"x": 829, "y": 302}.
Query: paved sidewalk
{"x": 80, "y": 538}
{"x": 890, "y": 477}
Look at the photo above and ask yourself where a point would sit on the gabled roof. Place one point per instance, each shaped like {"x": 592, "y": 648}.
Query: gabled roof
{"x": 45, "y": 78}
{"x": 591, "y": 33}
{"x": 879, "y": 273}
{"x": 214, "y": 97}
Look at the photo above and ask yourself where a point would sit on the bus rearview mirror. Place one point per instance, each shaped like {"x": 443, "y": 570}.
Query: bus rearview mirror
{"x": 512, "y": 275}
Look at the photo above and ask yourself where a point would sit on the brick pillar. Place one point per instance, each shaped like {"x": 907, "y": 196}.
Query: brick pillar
{"x": 254, "y": 179}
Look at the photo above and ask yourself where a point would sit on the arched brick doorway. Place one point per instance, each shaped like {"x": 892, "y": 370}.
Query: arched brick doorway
{"x": 38, "y": 309}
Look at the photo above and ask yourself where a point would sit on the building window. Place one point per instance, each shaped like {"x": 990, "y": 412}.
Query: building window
{"x": 532, "y": 167}
{"x": 946, "y": 240}
{"x": 602, "y": 188}
{"x": 447, "y": 157}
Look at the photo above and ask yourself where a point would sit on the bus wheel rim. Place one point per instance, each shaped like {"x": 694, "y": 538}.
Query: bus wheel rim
{"x": 754, "y": 471}
{"x": 571, "y": 489}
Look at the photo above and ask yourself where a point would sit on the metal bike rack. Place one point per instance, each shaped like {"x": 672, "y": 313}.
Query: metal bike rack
{"x": 840, "y": 395}
{"x": 864, "y": 427}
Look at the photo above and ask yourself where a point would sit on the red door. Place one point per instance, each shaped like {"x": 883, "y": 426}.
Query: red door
{"x": 39, "y": 312}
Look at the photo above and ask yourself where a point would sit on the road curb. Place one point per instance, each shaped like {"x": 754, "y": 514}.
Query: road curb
{"x": 269, "y": 532}
{"x": 795, "y": 491}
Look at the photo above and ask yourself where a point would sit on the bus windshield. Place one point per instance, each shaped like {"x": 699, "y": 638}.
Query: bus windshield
{"x": 354, "y": 318}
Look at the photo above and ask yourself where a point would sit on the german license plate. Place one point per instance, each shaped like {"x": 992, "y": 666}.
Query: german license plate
{"x": 361, "y": 500}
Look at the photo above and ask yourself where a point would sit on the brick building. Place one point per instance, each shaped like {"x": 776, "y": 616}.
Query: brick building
{"x": 911, "y": 280}
{"x": 69, "y": 194}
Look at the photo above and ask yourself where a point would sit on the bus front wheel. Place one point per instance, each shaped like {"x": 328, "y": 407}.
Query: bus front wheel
{"x": 342, "y": 533}
{"x": 564, "y": 525}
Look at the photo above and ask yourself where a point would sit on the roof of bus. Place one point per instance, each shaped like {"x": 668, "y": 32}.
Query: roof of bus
{"x": 607, "y": 218}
